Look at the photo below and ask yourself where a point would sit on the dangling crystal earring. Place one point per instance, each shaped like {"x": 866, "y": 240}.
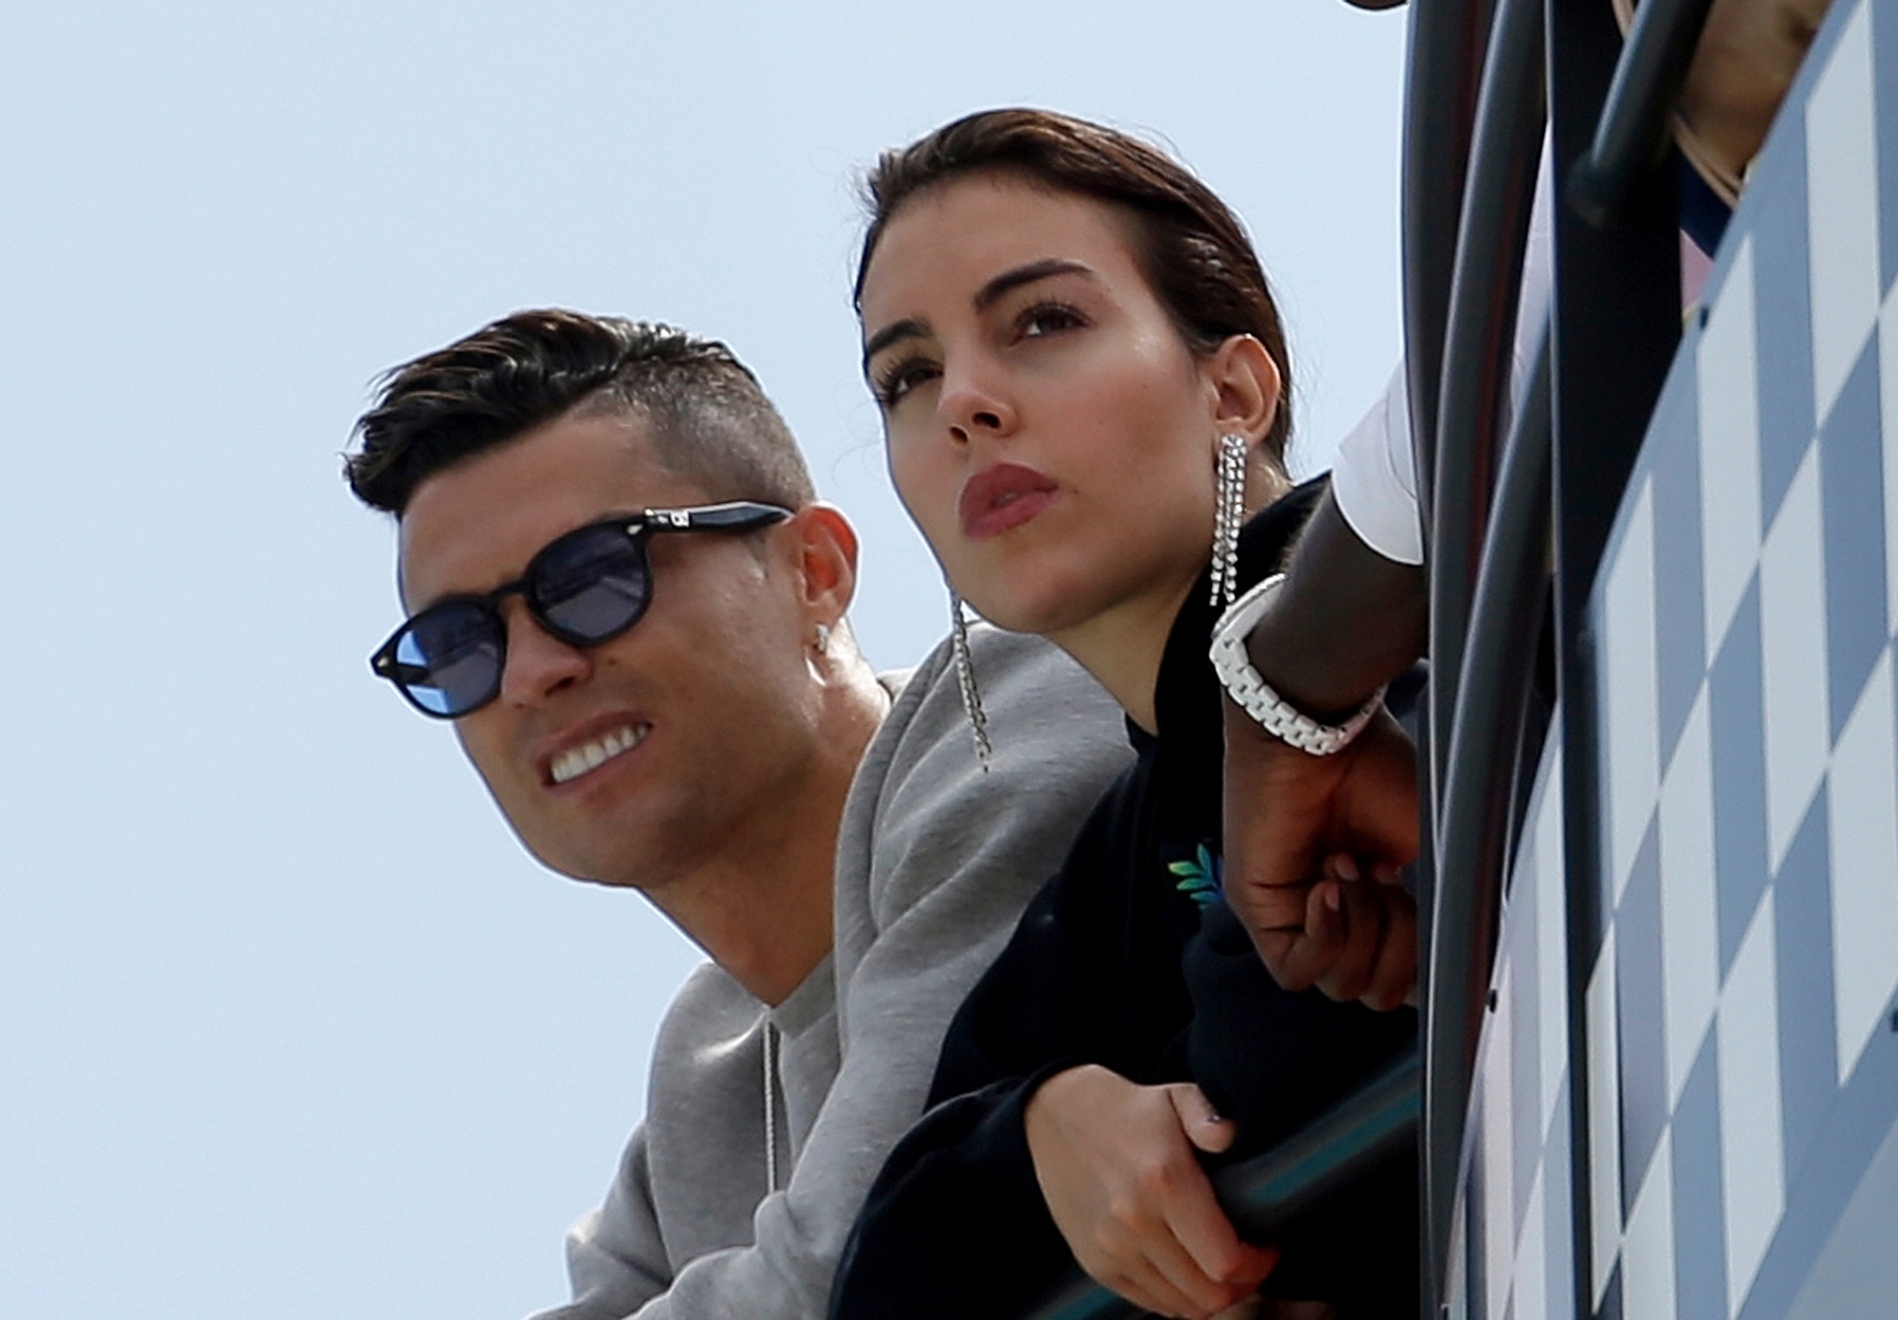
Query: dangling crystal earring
{"x": 1229, "y": 511}
{"x": 823, "y": 639}
{"x": 965, "y": 678}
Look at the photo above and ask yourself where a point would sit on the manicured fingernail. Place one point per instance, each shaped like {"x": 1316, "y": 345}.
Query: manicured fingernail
{"x": 1334, "y": 897}
{"x": 1346, "y": 866}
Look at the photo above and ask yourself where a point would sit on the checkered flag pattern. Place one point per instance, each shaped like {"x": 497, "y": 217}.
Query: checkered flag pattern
{"x": 1742, "y": 1036}
{"x": 1514, "y": 1254}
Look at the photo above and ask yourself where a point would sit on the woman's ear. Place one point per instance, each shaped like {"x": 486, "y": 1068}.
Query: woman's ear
{"x": 1246, "y": 387}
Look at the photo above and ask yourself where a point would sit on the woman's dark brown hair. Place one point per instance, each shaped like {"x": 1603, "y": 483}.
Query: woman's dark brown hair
{"x": 1193, "y": 249}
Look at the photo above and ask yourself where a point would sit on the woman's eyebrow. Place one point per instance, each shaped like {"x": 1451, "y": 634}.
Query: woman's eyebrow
{"x": 985, "y": 298}
{"x": 908, "y": 328}
{"x": 989, "y": 293}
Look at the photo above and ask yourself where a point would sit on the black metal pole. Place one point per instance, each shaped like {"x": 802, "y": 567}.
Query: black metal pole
{"x": 1492, "y": 238}
{"x": 1616, "y": 322}
{"x": 1479, "y": 790}
{"x": 1447, "y": 40}
{"x": 1477, "y": 359}
{"x": 1631, "y": 137}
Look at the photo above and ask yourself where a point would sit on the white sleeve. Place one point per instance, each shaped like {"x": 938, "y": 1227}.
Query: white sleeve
{"x": 1374, "y": 480}
{"x": 936, "y": 860}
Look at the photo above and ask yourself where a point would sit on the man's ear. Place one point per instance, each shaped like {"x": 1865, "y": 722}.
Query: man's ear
{"x": 1246, "y": 387}
{"x": 827, "y": 550}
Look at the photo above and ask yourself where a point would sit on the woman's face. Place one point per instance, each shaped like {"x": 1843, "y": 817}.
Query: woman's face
{"x": 1049, "y": 429}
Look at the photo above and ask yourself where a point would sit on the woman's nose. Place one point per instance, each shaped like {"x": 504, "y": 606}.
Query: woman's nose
{"x": 972, "y": 404}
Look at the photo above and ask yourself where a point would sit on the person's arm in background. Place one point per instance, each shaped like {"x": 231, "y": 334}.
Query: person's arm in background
{"x": 1314, "y": 843}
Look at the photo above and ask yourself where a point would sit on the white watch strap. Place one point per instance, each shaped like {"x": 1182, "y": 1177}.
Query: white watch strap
{"x": 1253, "y": 695}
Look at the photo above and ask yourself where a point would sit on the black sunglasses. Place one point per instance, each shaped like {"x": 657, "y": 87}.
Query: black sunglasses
{"x": 585, "y": 588}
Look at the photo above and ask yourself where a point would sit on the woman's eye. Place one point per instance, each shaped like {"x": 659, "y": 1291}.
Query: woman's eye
{"x": 899, "y": 378}
{"x": 1047, "y": 319}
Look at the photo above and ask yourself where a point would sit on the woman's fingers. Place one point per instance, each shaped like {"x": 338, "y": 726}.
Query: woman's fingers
{"x": 1252, "y": 1308}
{"x": 1201, "y": 1123}
{"x": 1117, "y": 1166}
{"x": 1201, "y": 1293}
{"x": 1146, "y": 1286}
{"x": 1147, "y": 1259}
{"x": 1192, "y": 1212}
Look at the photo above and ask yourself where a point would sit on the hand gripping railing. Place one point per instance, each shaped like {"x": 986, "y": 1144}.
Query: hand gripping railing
{"x": 1351, "y": 1142}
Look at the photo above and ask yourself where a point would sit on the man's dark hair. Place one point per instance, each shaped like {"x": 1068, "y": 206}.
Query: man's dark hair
{"x": 1195, "y": 252}
{"x": 708, "y": 417}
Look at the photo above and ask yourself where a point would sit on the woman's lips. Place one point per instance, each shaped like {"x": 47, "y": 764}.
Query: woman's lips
{"x": 1003, "y": 497}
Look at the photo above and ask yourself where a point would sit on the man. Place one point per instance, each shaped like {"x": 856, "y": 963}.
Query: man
{"x": 628, "y": 598}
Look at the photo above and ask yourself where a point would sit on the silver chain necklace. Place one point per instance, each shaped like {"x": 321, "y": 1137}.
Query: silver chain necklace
{"x": 770, "y": 1106}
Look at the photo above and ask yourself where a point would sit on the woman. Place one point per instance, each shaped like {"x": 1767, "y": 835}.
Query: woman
{"x": 1069, "y": 336}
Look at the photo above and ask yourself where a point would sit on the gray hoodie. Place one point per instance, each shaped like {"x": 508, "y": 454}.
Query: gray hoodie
{"x": 935, "y": 861}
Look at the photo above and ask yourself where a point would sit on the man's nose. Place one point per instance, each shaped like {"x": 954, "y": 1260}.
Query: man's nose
{"x": 538, "y": 663}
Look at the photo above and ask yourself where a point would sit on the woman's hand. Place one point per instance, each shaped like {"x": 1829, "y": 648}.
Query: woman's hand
{"x": 1116, "y": 1165}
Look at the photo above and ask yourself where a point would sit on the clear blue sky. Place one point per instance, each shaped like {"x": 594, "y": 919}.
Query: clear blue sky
{"x": 289, "y": 1025}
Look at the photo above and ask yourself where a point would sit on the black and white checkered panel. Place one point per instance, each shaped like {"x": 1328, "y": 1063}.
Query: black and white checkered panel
{"x": 1742, "y": 1043}
{"x": 1513, "y": 1255}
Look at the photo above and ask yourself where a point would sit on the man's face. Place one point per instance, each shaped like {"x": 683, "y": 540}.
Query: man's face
{"x": 705, "y": 709}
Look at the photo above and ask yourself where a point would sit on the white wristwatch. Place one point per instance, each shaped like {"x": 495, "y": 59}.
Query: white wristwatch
{"x": 1253, "y": 695}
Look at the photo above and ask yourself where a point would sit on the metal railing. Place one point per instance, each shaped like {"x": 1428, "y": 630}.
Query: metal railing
{"x": 1492, "y": 239}
{"x": 1631, "y": 135}
{"x": 1447, "y": 40}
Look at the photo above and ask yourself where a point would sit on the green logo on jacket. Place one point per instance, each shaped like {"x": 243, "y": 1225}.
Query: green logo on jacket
{"x": 1200, "y": 876}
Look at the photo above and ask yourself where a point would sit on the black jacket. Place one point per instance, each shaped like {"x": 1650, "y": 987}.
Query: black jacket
{"x": 1128, "y": 958}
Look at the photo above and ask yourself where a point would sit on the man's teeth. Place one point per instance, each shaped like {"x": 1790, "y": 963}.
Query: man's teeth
{"x": 576, "y": 761}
